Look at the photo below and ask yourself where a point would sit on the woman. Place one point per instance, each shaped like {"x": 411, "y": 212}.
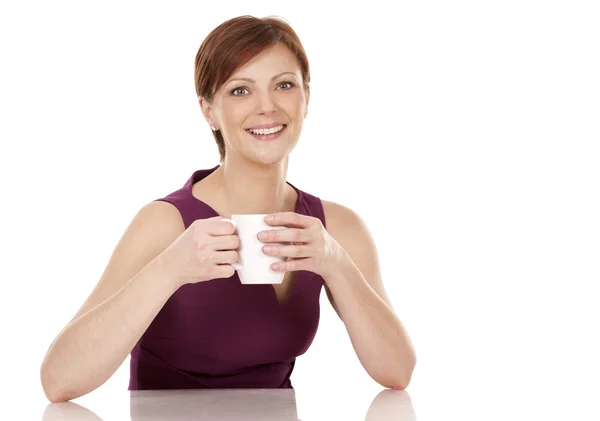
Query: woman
{"x": 169, "y": 294}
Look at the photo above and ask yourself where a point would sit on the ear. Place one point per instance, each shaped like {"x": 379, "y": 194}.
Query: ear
{"x": 307, "y": 98}
{"x": 206, "y": 108}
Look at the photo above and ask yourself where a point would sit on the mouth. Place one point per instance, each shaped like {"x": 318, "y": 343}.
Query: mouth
{"x": 267, "y": 134}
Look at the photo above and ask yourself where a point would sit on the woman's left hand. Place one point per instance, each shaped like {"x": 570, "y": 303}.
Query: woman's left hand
{"x": 312, "y": 248}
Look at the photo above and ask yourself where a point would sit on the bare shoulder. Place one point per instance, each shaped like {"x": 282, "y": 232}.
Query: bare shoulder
{"x": 350, "y": 230}
{"x": 347, "y": 227}
{"x": 339, "y": 218}
{"x": 160, "y": 219}
{"x": 155, "y": 226}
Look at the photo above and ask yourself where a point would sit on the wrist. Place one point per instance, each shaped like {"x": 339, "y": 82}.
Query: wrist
{"x": 342, "y": 265}
{"x": 164, "y": 271}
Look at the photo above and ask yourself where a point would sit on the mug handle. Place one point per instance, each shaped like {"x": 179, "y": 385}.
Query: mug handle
{"x": 236, "y": 266}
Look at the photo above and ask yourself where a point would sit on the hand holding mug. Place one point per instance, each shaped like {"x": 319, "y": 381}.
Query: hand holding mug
{"x": 205, "y": 250}
{"x": 312, "y": 248}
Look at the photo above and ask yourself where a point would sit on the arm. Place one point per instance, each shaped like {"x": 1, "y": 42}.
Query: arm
{"x": 357, "y": 294}
{"x": 132, "y": 290}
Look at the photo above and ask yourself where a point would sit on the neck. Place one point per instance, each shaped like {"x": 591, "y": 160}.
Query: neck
{"x": 245, "y": 188}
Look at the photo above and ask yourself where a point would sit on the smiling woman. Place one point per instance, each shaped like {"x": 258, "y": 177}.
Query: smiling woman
{"x": 170, "y": 295}
{"x": 252, "y": 104}
{"x": 244, "y": 80}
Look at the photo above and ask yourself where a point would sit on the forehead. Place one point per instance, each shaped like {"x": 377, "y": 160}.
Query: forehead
{"x": 273, "y": 60}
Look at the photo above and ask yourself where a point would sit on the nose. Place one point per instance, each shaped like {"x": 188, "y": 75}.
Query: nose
{"x": 266, "y": 103}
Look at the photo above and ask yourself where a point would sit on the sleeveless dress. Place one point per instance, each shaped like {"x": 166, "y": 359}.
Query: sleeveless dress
{"x": 223, "y": 334}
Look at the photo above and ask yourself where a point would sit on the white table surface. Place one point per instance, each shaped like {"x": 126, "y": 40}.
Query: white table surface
{"x": 230, "y": 404}
{"x": 432, "y": 396}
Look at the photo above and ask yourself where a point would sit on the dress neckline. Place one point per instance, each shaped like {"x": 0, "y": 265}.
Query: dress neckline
{"x": 203, "y": 173}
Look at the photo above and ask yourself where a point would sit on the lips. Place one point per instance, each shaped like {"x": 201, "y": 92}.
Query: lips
{"x": 270, "y": 136}
{"x": 267, "y": 126}
{"x": 283, "y": 127}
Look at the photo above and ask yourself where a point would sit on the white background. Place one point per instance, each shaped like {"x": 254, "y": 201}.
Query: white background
{"x": 466, "y": 134}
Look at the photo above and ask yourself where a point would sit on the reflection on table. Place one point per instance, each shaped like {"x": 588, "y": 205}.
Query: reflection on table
{"x": 228, "y": 404}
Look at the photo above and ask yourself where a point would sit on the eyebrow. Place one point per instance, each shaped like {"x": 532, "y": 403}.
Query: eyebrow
{"x": 250, "y": 80}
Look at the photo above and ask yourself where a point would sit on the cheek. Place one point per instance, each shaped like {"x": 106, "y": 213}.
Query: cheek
{"x": 293, "y": 108}
{"x": 235, "y": 113}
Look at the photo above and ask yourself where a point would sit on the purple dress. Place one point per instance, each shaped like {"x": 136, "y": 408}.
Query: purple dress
{"x": 222, "y": 334}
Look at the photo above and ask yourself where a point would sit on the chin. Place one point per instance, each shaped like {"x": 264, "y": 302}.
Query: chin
{"x": 270, "y": 158}
{"x": 270, "y": 161}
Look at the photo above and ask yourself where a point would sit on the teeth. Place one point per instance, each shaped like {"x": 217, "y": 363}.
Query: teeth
{"x": 266, "y": 131}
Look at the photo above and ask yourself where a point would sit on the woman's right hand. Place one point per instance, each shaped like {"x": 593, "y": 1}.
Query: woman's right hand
{"x": 205, "y": 250}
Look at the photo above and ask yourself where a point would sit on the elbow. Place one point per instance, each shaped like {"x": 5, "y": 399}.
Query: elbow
{"x": 56, "y": 394}
{"x": 394, "y": 383}
{"x": 401, "y": 379}
{"x": 398, "y": 383}
{"x": 55, "y": 398}
{"x": 53, "y": 392}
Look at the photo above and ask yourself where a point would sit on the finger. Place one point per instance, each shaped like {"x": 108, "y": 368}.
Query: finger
{"x": 228, "y": 257}
{"x": 284, "y": 235}
{"x": 227, "y": 242}
{"x": 292, "y": 265}
{"x": 292, "y": 219}
{"x": 287, "y": 251}
{"x": 223, "y": 271}
{"x": 221, "y": 227}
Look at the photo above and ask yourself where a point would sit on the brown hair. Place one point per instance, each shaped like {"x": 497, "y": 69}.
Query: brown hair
{"x": 234, "y": 43}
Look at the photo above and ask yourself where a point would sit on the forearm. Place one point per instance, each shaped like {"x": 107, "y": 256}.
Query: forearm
{"x": 92, "y": 347}
{"x": 377, "y": 335}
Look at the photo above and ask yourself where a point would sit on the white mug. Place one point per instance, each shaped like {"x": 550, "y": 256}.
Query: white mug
{"x": 254, "y": 266}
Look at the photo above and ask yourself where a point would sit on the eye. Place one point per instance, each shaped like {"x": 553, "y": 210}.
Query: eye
{"x": 288, "y": 83}
{"x": 241, "y": 88}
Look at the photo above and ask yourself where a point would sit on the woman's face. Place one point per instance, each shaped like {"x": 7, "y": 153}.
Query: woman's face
{"x": 272, "y": 94}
